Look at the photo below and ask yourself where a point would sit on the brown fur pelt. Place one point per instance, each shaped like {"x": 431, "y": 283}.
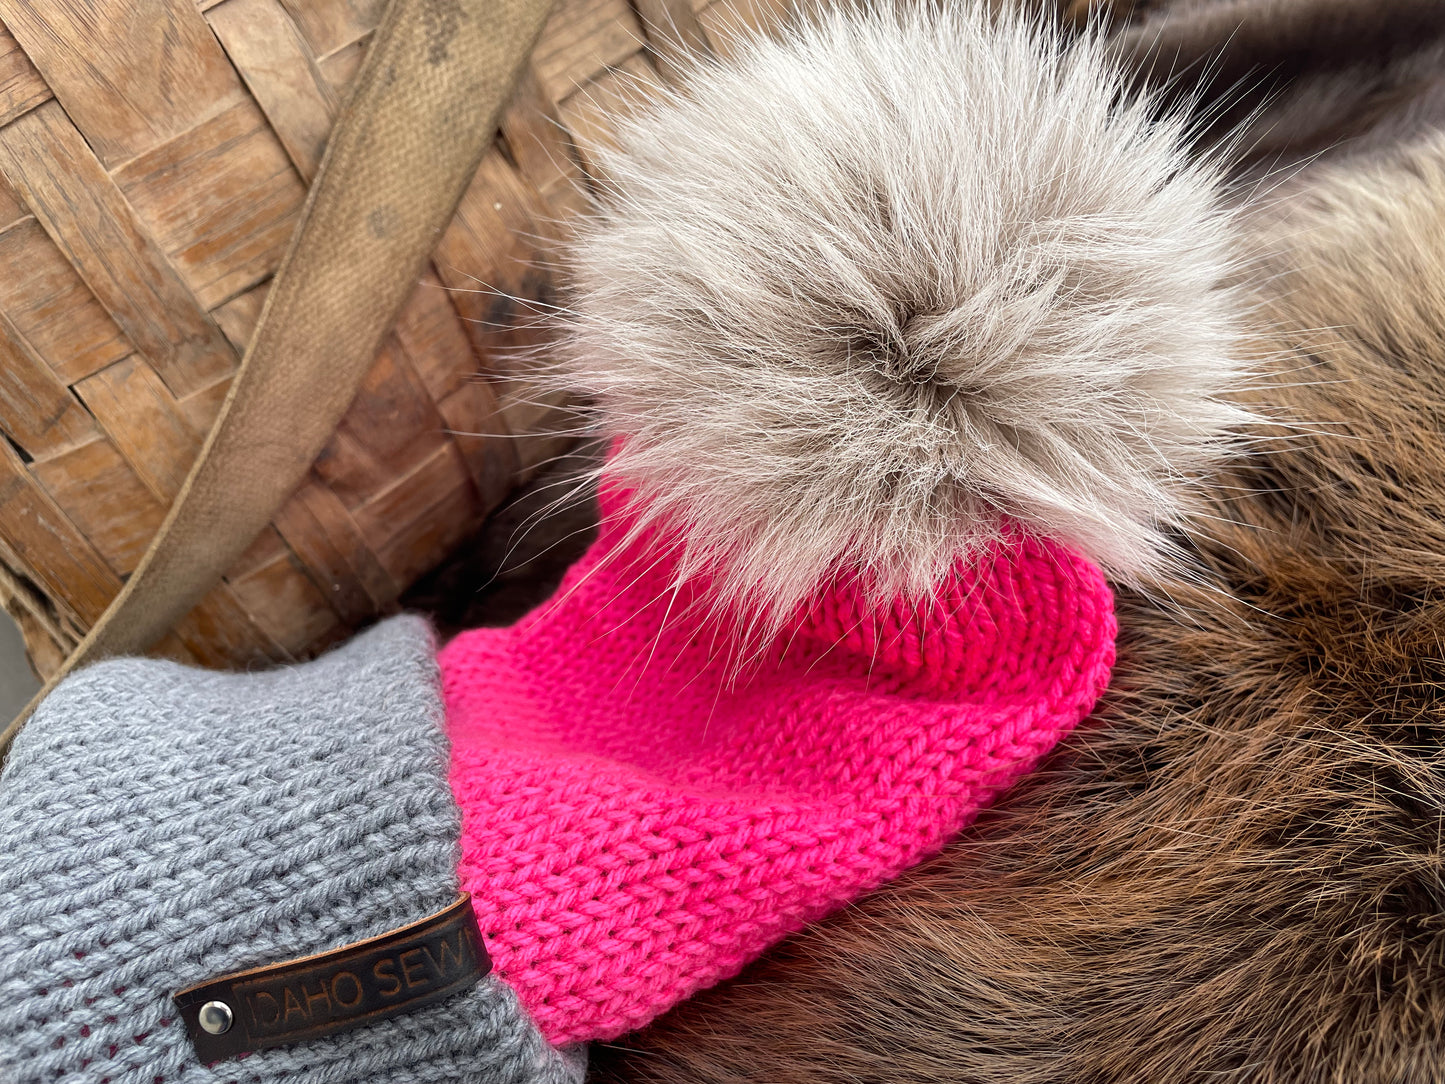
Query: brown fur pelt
{"x": 1289, "y": 82}
{"x": 1235, "y": 871}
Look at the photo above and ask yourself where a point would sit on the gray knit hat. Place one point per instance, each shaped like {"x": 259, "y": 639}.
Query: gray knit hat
{"x": 162, "y": 826}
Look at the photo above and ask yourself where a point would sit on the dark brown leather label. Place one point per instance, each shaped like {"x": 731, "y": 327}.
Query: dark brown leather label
{"x": 306, "y": 998}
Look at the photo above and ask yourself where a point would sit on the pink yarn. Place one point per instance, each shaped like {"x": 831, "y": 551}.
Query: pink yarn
{"x": 638, "y": 827}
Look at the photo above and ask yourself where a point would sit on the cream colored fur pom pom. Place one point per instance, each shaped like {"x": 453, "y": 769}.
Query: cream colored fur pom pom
{"x": 855, "y": 295}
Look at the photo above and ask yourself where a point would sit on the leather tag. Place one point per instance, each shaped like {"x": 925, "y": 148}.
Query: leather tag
{"x": 335, "y": 991}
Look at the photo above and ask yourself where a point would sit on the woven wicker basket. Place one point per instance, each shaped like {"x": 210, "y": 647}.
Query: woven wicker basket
{"x": 156, "y": 156}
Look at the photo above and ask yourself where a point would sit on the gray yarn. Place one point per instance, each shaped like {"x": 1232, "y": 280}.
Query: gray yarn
{"x": 161, "y": 825}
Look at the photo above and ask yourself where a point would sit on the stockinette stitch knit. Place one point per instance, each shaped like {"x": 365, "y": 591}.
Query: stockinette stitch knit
{"x": 643, "y": 816}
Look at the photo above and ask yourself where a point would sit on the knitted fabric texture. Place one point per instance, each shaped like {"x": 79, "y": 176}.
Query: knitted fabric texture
{"x": 161, "y": 825}
{"x": 643, "y": 817}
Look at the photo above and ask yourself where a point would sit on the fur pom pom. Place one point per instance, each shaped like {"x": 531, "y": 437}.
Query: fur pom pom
{"x": 858, "y": 297}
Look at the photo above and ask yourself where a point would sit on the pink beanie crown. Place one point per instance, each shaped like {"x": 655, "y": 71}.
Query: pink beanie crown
{"x": 641, "y": 820}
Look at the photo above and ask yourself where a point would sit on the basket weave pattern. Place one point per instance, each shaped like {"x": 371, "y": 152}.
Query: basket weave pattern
{"x": 155, "y": 158}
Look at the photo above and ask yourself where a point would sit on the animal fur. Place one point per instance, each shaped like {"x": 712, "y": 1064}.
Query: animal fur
{"x": 1237, "y": 871}
{"x": 856, "y": 295}
{"x": 1293, "y": 81}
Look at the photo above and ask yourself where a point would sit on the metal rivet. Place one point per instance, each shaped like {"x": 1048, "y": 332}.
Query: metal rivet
{"x": 215, "y": 1017}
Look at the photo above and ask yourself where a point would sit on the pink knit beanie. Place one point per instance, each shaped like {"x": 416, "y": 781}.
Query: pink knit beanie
{"x": 639, "y": 823}
{"x": 901, "y": 328}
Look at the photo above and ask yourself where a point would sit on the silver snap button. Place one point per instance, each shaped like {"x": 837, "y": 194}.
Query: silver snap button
{"x": 215, "y": 1017}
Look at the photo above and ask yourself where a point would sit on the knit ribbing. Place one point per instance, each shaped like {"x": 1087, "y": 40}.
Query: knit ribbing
{"x": 642, "y": 819}
{"x": 161, "y": 825}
